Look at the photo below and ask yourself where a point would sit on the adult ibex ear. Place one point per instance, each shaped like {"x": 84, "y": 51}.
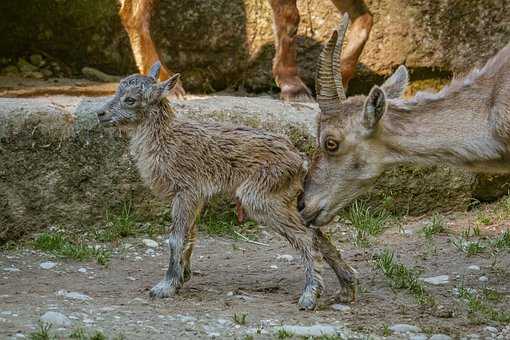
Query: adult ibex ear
{"x": 395, "y": 85}
{"x": 375, "y": 106}
{"x": 154, "y": 71}
{"x": 161, "y": 90}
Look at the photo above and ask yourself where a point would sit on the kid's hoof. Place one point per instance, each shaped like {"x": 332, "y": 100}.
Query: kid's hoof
{"x": 186, "y": 275}
{"x": 307, "y": 301}
{"x": 346, "y": 294}
{"x": 162, "y": 290}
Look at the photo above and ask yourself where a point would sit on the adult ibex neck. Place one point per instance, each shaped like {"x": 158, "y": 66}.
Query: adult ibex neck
{"x": 453, "y": 131}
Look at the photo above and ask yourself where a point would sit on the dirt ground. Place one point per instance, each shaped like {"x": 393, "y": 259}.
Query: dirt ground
{"x": 233, "y": 277}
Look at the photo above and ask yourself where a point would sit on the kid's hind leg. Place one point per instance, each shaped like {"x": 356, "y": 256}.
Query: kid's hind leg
{"x": 345, "y": 273}
{"x": 188, "y": 251}
{"x": 288, "y": 223}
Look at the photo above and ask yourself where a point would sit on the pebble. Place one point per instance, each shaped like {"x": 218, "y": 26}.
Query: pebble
{"x": 150, "y": 243}
{"x": 419, "y": 336}
{"x": 74, "y": 295}
{"x": 440, "y": 337}
{"x": 437, "y": 280}
{"x": 11, "y": 269}
{"x": 315, "y": 330}
{"x": 474, "y": 267}
{"x": 47, "y": 265}
{"x": 82, "y": 270}
{"x": 491, "y": 329}
{"x": 57, "y": 319}
{"x": 483, "y": 279}
{"x": 404, "y": 328}
{"x": 273, "y": 266}
{"x": 340, "y": 307}
{"x": 285, "y": 257}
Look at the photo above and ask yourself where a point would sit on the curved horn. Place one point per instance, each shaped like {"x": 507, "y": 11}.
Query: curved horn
{"x": 337, "y": 54}
{"x": 327, "y": 96}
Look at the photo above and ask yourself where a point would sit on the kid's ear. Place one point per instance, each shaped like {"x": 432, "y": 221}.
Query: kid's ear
{"x": 161, "y": 90}
{"x": 154, "y": 71}
{"x": 375, "y": 106}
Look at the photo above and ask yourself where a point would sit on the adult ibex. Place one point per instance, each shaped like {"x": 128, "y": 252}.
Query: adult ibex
{"x": 466, "y": 124}
{"x": 136, "y": 18}
{"x": 189, "y": 162}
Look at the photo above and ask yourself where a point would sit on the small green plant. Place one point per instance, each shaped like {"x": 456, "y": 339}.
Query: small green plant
{"x": 386, "y": 331}
{"x": 240, "y": 319}
{"x": 402, "y": 277}
{"x": 42, "y": 332}
{"x": 478, "y": 304}
{"x": 284, "y": 334}
{"x": 436, "y": 226}
{"x": 470, "y": 248}
{"x": 503, "y": 241}
{"x": 366, "y": 222}
{"x": 118, "y": 226}
{"x": 78, "y": 334}
{"x": 98, "y": 335}
{"x": 60, "y": 245}
{"x": 483, "y": 218}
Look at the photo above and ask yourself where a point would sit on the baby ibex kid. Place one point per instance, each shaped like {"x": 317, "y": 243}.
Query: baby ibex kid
{"x": 189, "y": 162}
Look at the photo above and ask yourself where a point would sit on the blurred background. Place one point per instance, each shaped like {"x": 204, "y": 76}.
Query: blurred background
{"x": 228, "y": 44}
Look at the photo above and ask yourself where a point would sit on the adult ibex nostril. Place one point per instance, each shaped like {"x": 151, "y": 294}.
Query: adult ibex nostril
{"x": 101, "y": 114}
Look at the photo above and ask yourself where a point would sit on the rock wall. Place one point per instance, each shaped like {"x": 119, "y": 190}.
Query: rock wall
{"x": 58, "y": 167}
{"x": 221, "y": 43}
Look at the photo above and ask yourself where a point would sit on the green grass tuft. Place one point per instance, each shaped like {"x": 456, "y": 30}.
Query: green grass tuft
{"x": 240, "y": 319}
{"x": 284, "y": 334}
{"x": 402, "y": 277}
{"x": 366, "y": 222}
{"x": 436, "y": 226}
{"x": 478, "y": 304}
{"x": 42, "y": 332}
{"x": 60, "y": 245}
{"x": 119, "y": 226}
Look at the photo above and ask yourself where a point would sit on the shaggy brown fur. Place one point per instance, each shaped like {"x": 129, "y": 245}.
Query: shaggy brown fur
{"x": 189, "y": 162}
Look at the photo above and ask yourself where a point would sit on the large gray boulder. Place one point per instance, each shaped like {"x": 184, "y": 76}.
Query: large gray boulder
{"x": 58, "y": 167}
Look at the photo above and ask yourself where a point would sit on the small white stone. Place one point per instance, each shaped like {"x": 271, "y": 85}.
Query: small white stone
{"x": 230, "y": 294}
{"x": 440, "y": 337}
{"x": 483, "y": 279}
{"x": 10, "y": 269}
{"x": 131, "y": 278}
{"x": 308, "y": 331}
{"x": 491, "y": 329}
{"x": 150, "y": 243}
{"x": 419, "y": 336}
{"x": 436, "y": 280}
{"x": 77, "y": 296}
{"x": 20, "y": 335}
{"x": 47, "y": 265}
{"x": 88, "y": 321}
{"x": 57, "y": 319}
{"x": 474, "y": 267}
{"x": 285, "y": 257}
{"x": 404, "y": 328}
{"x": 340, "y": 307}
{"x": 273, "y": 266}
{"x": 82, "y": 270}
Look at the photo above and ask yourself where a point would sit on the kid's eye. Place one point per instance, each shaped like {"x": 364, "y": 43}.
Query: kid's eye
{"x": 129, "y": 100}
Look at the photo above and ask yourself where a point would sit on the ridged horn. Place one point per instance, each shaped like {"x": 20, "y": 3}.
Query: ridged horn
{"x": 327, "y": 96}
{"x": 337, "y": 54}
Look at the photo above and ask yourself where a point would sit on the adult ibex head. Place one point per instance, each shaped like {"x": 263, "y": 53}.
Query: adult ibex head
{"x": 350, "y": 150}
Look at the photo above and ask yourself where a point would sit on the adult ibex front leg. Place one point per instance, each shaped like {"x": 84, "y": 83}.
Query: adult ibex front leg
{"x": 286, "y": 21}
{"x": 136, "y": 19}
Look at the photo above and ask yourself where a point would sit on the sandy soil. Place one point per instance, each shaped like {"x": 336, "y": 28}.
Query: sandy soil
{"x": 234, "y": 277}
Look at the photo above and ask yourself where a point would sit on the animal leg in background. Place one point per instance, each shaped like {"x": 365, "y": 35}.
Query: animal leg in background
{"x": 285, "y": 71}
{"x": 136, "y": 19}
{"x": 356, "y": 38}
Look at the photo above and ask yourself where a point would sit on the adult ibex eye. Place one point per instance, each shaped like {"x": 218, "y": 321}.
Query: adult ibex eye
{"x": 331, "y": 145}
{"x": 129, "y": 100}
